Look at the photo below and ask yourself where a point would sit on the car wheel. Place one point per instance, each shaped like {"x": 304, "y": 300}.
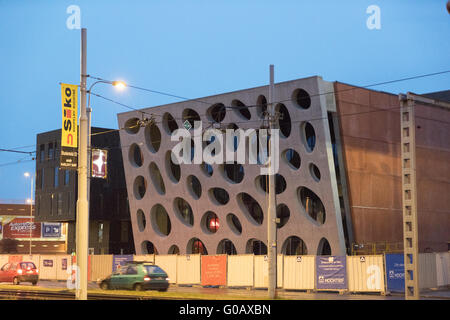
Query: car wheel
{"x": 34, "y": 283}
{"x": 16, "y": 281}
{"x": 163, "y": 290}
{"x": 138, "y": 287}
{"x": 104, "y": 285}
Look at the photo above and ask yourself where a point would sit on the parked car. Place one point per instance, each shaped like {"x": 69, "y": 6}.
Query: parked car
{"x": 136, "y": 276}
{"x": 17, "y": 272}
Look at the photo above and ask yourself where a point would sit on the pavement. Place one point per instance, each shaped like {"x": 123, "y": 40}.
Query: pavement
{"x": 258, "y": 294}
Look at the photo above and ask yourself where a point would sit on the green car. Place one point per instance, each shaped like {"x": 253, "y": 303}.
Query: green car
{"x": 137, "y": 276}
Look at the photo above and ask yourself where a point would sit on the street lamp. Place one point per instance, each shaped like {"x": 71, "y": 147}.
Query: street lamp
{"x": 119, "y": 85}
{"x": 28, "y": 175}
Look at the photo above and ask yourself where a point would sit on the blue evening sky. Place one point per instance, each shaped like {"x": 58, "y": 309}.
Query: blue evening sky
{"x": 199, "y": 48}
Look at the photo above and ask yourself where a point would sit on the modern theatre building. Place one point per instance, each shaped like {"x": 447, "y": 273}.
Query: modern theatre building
{"x": 338, "y": 182}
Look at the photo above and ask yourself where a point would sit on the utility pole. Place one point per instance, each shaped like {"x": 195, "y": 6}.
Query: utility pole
{"x": 409, "y": 196}
{"x": 272, "y": 214}
{"x": 82, "y": 222}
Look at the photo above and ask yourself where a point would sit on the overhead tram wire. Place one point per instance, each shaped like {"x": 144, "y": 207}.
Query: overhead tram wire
{"x": 275, "y": 102}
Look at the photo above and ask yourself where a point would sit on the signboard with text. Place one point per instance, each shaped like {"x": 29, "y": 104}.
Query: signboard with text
{"x": 22, "y": 228}
{"x": 51, "y": 230}
{"x": 69, "y": 130}
{"x": 331, "y": 272}
{"x": 214, "y": 270}
{"x": 120, "y": 260}
{"x": 395, "y": 272}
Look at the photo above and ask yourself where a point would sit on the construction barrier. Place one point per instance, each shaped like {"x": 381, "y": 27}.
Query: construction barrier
{"x": 188, "y": 269}
{"x": 48, "y": 267}
{"x": 262, "y": 271}
{"x": 427, "y": 270}
{"x": 240, "y": 271}
{"x": 63, "y": 267}
{"x": 4, "y": 259}
{"x": 214, "y": 270}
{"x": 331, "y": 273}
{"x": 299, "y": 272}
{"x": 101, "y": 266}
{"x": 443, "y": 269}
{"x": 365, "y": 274}
{"x": 144, "y": 257}
{"x": 169, "y": 264}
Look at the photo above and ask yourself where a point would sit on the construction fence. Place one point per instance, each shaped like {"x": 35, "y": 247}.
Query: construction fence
{"x": 363, "y": 273}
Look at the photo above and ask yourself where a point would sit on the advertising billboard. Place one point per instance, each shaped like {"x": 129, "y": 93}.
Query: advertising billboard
{"x": 69, "y": 130}
{"x": 120, "y": 260}
{"x": 395, "y": 272}
{"x": 99, "y": 163}
{"x": 51, "y": 230}
{"x": 331, "y": 272}
{"x": 21, "y": 228}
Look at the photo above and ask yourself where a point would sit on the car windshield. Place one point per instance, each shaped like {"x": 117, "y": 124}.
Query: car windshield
{"x": 153, "y": 269}
{"x": 27, "y": 265}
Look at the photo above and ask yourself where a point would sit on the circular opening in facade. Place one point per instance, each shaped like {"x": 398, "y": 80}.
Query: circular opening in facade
{"x": 308, "y": 136}
{"x": 155, "y": 176}
{"x": 210, "y": 222}
{"x": 196, "y": 246}
{"x": 315, "y": 172}
{"x": 147, "y": 247}
{"x": 284, "y": 120}
{"x": 312, "y": 204}
{"x": 216, "y": 112}
{"x": 174, "y": 250}
{"x": 226, "y": 246}
{"x": 184, "y": 211}
{"x": 251, "y": 208}
{"x": 301, "y": 98}
{"x": 283, "y": 213}
{"x": 160, "y": 220}
{"x": 233, "y": 172}
{"x": 292, "y": 158}
{"x": 194, "y": 187}
{"x": 234, "y": 224}
{"x": 241, "y": 109}
{"x": 219, "y": 196}
{"x": 169, "y": 123}
{"x": 141, "y": 222}
{"x": 207, "y": 169}
{"x": 153, "y": 137}
{"x": 139, "y": 187}
{"x": 263, "y": 182}
{"x": 256, "y": 247}
{"x": 132, "y": 126}
{"x": 261, "y": 108}
{"x": 173, "y": 170}
{"x": 191, "y": 116}
{"x": 294, "y": 246}
{"x": 135, "y": 156}
{"x": 324, "y": 248}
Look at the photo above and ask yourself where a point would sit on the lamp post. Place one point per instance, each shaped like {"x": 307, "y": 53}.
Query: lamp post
{"x": 28, "y": 175}
{"x": 82, "y": 219}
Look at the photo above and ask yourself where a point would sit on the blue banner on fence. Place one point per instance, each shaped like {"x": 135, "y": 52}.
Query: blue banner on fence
{"x": 120, "y": 260}
{"x": 331, "y": 272}
{"x": 395, "y": 272}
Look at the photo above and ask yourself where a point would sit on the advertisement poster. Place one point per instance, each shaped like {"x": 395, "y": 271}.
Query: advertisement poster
{"x": 120, "y": 260}
{"x": 51, "y": 230}
{"x": 21, "y": 228}
{"x": 331, "y": 272}
{"x": 395, "y": 272}
{"x": 69, "y": 130}
{"x": 214, "y": 270}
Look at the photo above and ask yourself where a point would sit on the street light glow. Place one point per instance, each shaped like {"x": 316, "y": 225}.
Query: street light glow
{"x": 26, "y": 174}
{"x": 120, "y": 85}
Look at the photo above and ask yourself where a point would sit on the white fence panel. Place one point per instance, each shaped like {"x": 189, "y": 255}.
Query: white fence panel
{"x": 365, "y": 273}
{"x": 443, "y": 269}
{"x": 169, "y": 264}
{"x": 299, "y": 272}
{"x": 240, "y": 271}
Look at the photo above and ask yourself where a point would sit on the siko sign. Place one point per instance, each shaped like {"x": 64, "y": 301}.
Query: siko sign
{"x": 69, "y": 130}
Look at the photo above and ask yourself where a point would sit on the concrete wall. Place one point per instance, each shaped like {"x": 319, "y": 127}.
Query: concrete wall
{"x": 300, "y": 224}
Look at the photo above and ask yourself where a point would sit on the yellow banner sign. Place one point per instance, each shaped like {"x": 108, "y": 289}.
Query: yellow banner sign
{"x": 69, "y": 131}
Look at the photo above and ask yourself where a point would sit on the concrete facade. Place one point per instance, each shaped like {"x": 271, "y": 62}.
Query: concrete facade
{"x": 157, "y": 190}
